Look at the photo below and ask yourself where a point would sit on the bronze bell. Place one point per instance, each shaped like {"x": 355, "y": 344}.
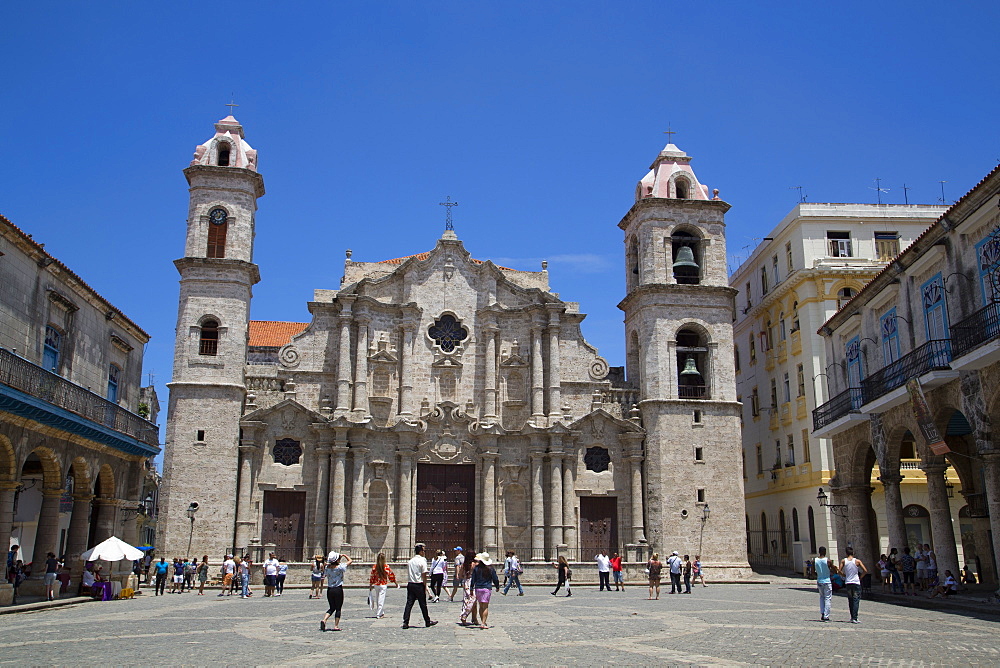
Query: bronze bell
{"x": 685, "y": 258}
{"x": 690, "y": 368}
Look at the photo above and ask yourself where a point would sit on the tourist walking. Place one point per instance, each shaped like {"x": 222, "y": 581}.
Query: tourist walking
{"x": 378, "y": 583}
{"x": 279, "y": 582}
{"x": 51, "y": 573}
{"x": 565, "y": 573}
{"x": 616, "y": 571}
{"x": 603, "y": 570}
{"x": 674, "y": 562}
{"x": 161, "y": 569}
{"x": 469, "y": 599}
{"x": 317, "y": 575}
{"x": 654, "y": 567}
{"x": 699, "y": 572}
{"x": 687, "y": 574}
{"x": 418, "y": 573}
{"x": 178, "y": 583}
{"x": 336, "y": 568}
{"x": 228, "y": 575}
{"x": 512, "y": 567}
{"x": 908, "y": 566}
{"x": 459, "y": 572}
{"x": 439, "y": 568}
{"x": 484, "y": 581}
{"x": 270, "y": 574}
{"x": 853, "y": 570}
{"x": 824, "y": 567}
{"x": 202, "y": 575}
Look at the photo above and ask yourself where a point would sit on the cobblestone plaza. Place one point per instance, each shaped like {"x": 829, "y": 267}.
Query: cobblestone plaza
{"x": 773, "y": 624}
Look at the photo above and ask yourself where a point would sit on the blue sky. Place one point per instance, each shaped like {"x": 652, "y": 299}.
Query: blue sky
{"x": 538, "y": 118}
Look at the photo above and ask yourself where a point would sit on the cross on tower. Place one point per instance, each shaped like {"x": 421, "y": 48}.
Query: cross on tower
{"x": 448, "y": 225}
{"x": 232, "y": 103}
{"x": 670, "y": 134}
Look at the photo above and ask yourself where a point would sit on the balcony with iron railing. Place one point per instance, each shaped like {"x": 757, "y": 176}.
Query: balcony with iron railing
{"x": 692, "y": 391}
{"x": 931, "y": 356}
{"x": 979, "y": 328}
{"x": 29, "y": 390}
{"x": 848, "y": 401}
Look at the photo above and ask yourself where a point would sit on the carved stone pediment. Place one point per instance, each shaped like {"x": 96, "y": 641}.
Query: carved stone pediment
{"x": 382, "y": 351}
{"x": 513, "y": 359}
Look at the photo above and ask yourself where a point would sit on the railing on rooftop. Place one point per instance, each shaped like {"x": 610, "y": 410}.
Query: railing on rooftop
{"x": 27, "y": 377}
{"x": 979, "y": 328}
{"x": 846, "y": 402}
{"x": 935, "y": 354}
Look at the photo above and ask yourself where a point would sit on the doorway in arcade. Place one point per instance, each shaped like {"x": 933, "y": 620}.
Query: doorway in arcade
{"x": 446, "y": 507}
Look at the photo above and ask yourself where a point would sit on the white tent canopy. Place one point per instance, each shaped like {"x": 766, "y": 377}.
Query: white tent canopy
{"x": 113, "y": 549}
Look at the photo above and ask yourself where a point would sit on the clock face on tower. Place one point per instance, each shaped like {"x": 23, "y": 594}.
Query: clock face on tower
{"x": 217, "y": 216}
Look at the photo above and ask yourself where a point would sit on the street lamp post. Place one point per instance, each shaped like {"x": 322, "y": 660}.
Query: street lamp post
{"x": 706, "y": 512}
{"x": 192, "y": 509}
{"x": 835, "y": 508}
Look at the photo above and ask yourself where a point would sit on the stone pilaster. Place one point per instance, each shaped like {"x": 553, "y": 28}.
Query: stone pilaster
{"x": 633, "y": 455}
{"x": 406, "y": 381}
{"x": 404, "y": 502}
{"x": 537, "y": 378}
{"x": 489, "y": 497}
{"x": 246, "y": 520}
{"x": 321, "y": 518}
{"x": 359, "y": 457}
{"x": 555, "y": 523}
{"x": 555, "y": 384}
{"x": 941, "y": 526}
{"x": 537, "y": 456}
{"x": 894, "y": 510}
{"x": 361, "y": 369}
{"x": 344, "y": 361}
{"x": 490, "y": 371}
{"x": 47, "y": 533}
{"x": 859, "y": 503}
{"x": 338, "y": 501}
{"x": 569, "y": 501}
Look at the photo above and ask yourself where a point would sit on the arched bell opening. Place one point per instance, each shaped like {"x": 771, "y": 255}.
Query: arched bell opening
{"x": 692, "y": 363}
{"x": 686, "y": 261}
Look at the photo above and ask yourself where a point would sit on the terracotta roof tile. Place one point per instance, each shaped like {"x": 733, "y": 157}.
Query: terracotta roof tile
{"x": 274, "y": 333}
{"x": 424, "y": 256}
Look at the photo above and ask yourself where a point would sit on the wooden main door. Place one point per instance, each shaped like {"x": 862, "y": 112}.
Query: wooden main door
{"x": 598, "y": 525}
{"x": 283, "y": 524}
{"x": 446, "y": 507}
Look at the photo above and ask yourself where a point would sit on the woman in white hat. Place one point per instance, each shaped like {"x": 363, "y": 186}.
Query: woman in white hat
{"x": 336, "y": 568}
{"x": 484, "y": 581}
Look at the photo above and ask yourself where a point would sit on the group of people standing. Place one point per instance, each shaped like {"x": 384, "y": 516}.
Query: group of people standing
{"x": 911, "y": 572}
{"x": 182, "y": 574}
{"x": 678, "y": 568}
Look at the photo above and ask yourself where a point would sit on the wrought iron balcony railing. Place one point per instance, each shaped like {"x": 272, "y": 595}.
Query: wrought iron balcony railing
{"x": 692, "y": 391}
{"x": 932, "y": 355}
{"x": 846, "y": 402}
{"x": 22, "y": 375}
{"x": 979, "y": 328}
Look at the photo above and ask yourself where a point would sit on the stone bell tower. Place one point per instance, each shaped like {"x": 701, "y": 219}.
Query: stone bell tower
{"x": 207, "y": 390}
{"x": 679, "y": 348}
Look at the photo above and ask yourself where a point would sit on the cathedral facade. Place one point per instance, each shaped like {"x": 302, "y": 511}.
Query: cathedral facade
{"x": 446, "y": 400}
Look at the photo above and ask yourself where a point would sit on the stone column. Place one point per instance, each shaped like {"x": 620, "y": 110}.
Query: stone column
{"x": 321, "y": 516}
{"x": 104, "y": 515}
{"x": 246, "y": 520}
{"x": 406, "y": 379}
{"x": 79, "y": 532}
{"x": 555, "y": 385}
{"x": 47, "y": 534}
{"x": 359, "y": 456}
{"x": 633, "y": 452}
{"x": 361, "y": 369}
{"x": 991, "y": 477}
{"x": 344, "y": 362}
{"x": 537, "y": 456}
{"x": 894, "y": 510}
{"x": 569, "y": 501}
{"x": 537, "y": 378}
{"x": 489, "y": 478}
{"x": 942, "y": 529}
{"x": 858, "y": 499}
{"x": 490, "y": 369}
{"x": 338, "y": 500}
{"x": 555, "y": 524}
{"x": 404, "y": 518}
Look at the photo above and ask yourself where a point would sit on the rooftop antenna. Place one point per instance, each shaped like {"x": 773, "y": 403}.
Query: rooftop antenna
{"x": 150, "y": 376}
{"x": 941, "y": 198}
{"x": 232, "y": 103}
{"x": 879, "y": 190}
{"x": 670, "y": 134}
{"x": 906, "y": 200}
{"x": 448, "y": 224}
{"x": 802, "y": 196}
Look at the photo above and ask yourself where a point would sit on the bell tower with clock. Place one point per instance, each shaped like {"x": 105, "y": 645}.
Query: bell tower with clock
{"x": 207, "y": 390}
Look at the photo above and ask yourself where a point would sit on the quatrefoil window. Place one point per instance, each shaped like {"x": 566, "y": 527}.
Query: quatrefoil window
{"x": 447, "y": 333}
{"x": 287, "y": 452}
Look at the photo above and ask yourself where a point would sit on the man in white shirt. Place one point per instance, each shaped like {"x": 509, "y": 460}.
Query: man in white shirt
{"x": 604, "y": 569}
{"x": 675, "y": 562}
{"x": 416, "y": 586}
{"x": 270, "y": 574}
{"x": 228, "y": 570}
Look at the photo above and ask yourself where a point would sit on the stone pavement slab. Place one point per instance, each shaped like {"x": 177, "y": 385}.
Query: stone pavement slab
{"x": 717, "y": 625}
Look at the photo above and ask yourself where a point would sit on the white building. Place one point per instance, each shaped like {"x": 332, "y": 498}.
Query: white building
{"x": 815, "y": 260}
